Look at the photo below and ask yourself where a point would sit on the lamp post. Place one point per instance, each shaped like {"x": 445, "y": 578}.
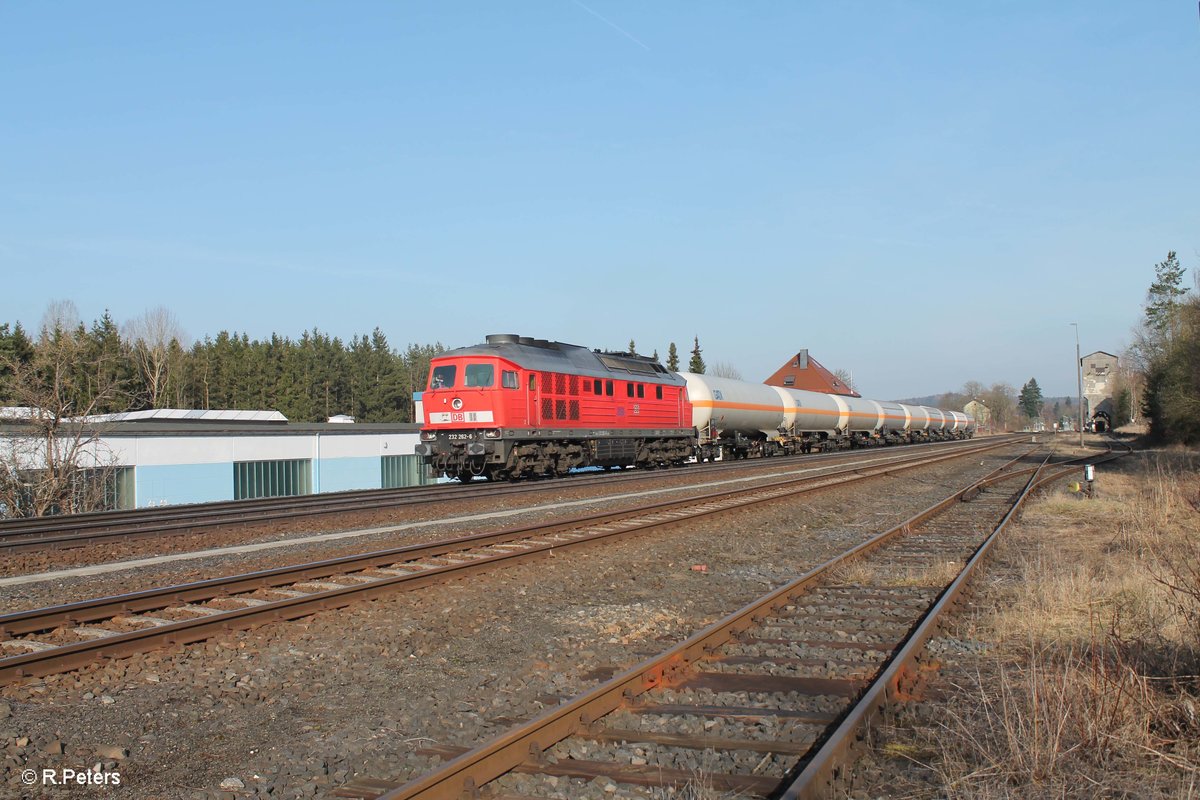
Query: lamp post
{"x": 1079, "y": 380}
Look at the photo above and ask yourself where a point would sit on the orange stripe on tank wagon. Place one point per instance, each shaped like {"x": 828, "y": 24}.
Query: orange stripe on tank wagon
{"x": 738, "y": 406}
{"x": 780, "y": 409}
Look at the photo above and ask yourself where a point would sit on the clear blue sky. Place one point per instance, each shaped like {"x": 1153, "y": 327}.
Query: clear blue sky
{"x": 923, "y": 193}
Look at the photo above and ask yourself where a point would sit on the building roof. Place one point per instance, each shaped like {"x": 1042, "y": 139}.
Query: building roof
{"x": 192, "y": 422}
{"x": 1100, "y": 353}
{"x": 185, "y": 428}
{"x": 805, "y": 372}
{"x": 225, "y": 416}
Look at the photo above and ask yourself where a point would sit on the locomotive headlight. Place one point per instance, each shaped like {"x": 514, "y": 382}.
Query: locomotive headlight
{"x": 456, "y": 403}
{"x": 491, "y": 434}
{"x": 428, "y": 436}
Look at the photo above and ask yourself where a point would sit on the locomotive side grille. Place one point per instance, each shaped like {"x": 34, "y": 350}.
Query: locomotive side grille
{"x": 573, "y": 409}
{"x": 560, "y": 409}
{"x": 547, "y": 382}
{"x": 560, "y": 383}
{"x": 547, "y": 408}
{"x": 574, "y": 387}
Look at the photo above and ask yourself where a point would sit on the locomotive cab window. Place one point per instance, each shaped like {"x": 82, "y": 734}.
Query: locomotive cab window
{"x": 629, "y": 390}
{"x": 641, "y": 390}
{"x": 608, "y": 390}
{"x": 480, "y": 376}
{"x": 532, "y": 381}
{"x": 443, "y": 377}
{"x": 658, "y": 392}
{"x": 508, "y": 379}
{"x": 596, "y": 388}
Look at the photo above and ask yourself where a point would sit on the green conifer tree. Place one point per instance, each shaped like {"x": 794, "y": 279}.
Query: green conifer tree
{"x": 696, "y": 364}
{"x": 1030, "y": 400}
{"x": 673, "y": 358}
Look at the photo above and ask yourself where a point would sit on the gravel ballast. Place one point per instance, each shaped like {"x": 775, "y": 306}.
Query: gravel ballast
{"x": 296, "y": 709}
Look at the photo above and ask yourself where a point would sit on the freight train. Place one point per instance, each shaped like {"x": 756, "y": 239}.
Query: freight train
{"x": 517, "y": 407}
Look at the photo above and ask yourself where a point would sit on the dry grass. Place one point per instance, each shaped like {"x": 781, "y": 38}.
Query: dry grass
{"x": 878, "y": 573}
{"x": 1091, "y": 686}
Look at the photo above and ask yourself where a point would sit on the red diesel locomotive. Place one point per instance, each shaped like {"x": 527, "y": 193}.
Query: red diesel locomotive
{"x": 518, "y": 406}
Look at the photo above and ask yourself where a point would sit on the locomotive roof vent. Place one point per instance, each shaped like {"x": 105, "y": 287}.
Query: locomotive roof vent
{"x": 527, "y": 340}
{"x": 502, "y": 338}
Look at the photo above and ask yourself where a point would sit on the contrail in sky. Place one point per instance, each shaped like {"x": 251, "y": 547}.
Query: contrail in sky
{"x": 613, "y": 25}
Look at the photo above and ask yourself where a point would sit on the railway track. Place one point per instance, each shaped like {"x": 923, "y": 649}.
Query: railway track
{"x": 60, "y": 638}
{"x": 766, "y": 702}
{"x": 81, "y": 530}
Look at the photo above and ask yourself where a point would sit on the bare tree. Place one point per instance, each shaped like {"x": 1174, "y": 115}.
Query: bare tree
{"x": 845, "y": 378}
{"x": 973, "y": 390}
{"x": 1130, "y": 378}
{"x": 952, "y": 400}
{"x": 51, "y": 459}
{"x": 1001, "y": 400}
{"x": 725, "y": 370}
{"x": 60, "y": 315}
{"x": 156, "y": 340}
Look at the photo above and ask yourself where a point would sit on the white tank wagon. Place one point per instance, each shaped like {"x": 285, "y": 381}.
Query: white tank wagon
{"x": 736, "y": 419}
{"x": 723, "y": 404}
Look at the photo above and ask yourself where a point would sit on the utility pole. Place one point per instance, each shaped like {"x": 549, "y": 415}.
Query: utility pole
{"x": 1079, "y": 380}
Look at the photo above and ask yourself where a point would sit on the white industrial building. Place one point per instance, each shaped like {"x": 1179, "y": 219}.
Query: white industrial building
{"x": 170, "y": 456}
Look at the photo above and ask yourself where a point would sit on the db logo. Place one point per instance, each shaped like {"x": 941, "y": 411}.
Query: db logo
{"x": 458, "y": 416}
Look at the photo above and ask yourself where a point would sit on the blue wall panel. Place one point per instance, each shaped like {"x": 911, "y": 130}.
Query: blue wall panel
{"x": 342, "y": 474}
{"x": 184, "y": 483}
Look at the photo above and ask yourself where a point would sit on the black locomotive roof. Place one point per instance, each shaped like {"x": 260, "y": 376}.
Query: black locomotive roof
{"x": 544, "y": 356}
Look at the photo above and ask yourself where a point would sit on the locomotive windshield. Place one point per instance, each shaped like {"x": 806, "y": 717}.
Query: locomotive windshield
{"x": 480, "y": 375}
{"x": 443, "y": 377}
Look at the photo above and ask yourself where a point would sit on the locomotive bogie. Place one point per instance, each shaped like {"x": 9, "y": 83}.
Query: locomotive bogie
{"x": 533, "y": 453}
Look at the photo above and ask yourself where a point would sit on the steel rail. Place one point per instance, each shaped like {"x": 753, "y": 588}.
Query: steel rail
{"x": 464, "y": 775}
{"x": 820, "y": 774}
{"x": 78, "y": 530}
{"x": 99, "y": 520}
{"x": 540, "y": 540}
